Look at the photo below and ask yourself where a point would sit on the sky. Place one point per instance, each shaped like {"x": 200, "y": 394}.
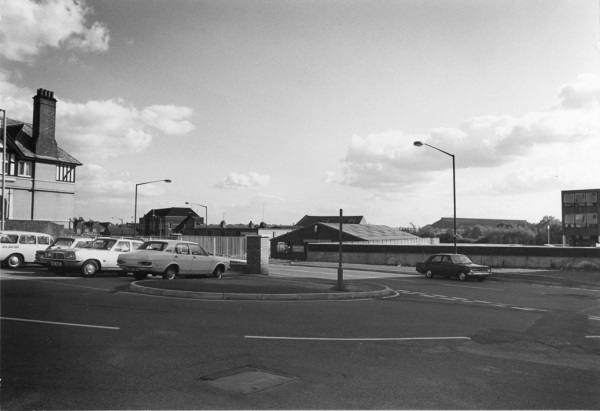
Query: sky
{"x": 272, "y": 110}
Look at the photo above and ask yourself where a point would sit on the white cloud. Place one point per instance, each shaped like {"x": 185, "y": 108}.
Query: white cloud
{"x": 237, "y": 181}
{"x": 110, "y": 128}
{"x": 389, "y": 161}
{"x": 28, "y": 27}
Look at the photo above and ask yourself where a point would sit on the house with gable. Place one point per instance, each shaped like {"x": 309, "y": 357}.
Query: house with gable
{"x": 39, "y": 176}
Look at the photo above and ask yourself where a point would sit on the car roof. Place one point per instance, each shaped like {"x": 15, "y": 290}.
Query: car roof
{"x": 170, "y": 241}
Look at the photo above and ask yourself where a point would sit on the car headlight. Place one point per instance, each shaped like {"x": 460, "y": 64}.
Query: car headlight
{"x": 70, "y": 256}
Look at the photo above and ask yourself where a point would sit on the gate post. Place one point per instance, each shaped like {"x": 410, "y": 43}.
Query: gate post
{"x": 258, "y": 250}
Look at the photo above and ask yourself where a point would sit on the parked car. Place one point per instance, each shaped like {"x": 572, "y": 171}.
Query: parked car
{"x": 99, "y": 255}
{"x": 19, "y": 247}
{"x": 170, "y": 258}
{"x": 61, "y": 243}
{"x": 453, "y": 265}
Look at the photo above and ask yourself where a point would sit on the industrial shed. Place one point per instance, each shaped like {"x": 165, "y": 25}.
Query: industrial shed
{"x": 292, "y": 245}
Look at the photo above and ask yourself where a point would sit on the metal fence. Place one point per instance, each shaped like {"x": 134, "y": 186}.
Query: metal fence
{"x": 232, "y": 247}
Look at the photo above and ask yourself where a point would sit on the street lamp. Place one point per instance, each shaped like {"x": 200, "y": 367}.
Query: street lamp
{"x": 135, "y": 210}
{"x": 205, "y": 214}
{"x": 420, "y": 144}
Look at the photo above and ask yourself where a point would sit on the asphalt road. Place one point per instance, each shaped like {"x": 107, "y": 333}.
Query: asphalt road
{"x": 74, "y": 343}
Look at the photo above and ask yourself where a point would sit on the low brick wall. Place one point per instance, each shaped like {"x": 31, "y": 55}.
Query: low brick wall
{"x": 501, "y": 256}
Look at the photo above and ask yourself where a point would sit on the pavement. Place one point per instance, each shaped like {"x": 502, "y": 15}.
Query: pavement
{"x": 236, "y": 285}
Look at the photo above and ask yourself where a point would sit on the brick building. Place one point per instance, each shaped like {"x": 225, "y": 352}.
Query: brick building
{"x": 39, "y": 180}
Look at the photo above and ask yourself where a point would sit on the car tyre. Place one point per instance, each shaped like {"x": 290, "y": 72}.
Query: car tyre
{"x": 139, "y": 276}
{"x": 170, "y": 273}
{"x": 89, "y": 269}
{"x": 218, "y": 272}
{"x": 14, "y": 261}
{"x": 462, "y": 277}
{"x": 429, "y": 274}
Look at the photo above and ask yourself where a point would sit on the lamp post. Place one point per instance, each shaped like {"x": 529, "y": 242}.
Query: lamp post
{"x": 420, "y": 144}
{"x": 135, "y": 210}
{"x": 205, "y": 214}
{"x": 4, "y": 202}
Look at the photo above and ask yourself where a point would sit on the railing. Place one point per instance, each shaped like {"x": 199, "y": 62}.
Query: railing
{"x": 232, "y": 247}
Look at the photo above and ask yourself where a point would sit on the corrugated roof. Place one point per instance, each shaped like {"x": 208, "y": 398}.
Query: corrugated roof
{"x": 369, "y": 232}
{"x": 308, "y": 220}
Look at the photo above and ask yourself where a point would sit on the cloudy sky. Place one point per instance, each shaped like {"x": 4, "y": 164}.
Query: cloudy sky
{"x": 278, "y": 109}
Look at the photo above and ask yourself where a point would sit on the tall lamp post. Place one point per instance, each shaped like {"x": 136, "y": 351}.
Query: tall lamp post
{"x": 135, "y": 210}
{"x": 420, "y": 144}
{"x": 205, "y": 213}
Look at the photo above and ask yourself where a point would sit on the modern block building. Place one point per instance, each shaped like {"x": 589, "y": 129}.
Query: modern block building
{"x": 39, "y": 176}
{"x": 580, "y": 209}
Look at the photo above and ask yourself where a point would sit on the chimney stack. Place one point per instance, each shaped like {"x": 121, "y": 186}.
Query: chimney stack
{"x": 44, "y": 123}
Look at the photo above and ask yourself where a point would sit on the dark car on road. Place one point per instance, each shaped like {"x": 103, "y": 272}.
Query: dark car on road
{"x": 453, "y": 265}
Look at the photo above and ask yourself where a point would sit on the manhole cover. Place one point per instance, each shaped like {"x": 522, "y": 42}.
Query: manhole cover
{"x": 246, "y": 380}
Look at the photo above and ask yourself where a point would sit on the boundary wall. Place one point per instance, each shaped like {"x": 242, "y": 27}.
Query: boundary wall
{"x": 499, "y": 256}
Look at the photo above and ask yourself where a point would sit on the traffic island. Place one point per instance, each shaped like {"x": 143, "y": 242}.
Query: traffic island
{"x": 258, "y": 287}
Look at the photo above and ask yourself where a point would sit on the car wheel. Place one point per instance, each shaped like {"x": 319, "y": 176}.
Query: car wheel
{"x": 218, "y": 273}
{"x": 170, "y": 273}
{"x": 462, "y": 277}
{"x": 428, "y": 274}
{"x": 14, "y": 261}
{"x": 139, "y": 276}
{"x": 89, "y": 269}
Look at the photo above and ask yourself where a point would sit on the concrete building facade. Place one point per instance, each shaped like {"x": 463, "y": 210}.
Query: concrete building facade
{"x": 580, "y": 209}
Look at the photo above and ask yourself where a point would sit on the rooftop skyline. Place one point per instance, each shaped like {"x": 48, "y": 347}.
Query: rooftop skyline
{"x": 277, "y": 110}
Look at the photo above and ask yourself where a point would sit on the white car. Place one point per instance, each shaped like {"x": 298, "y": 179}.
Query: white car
{"x": 99, "y": 255}
{"x": 170, "y": 258}
{"x": 19, "y": 247}
{"x": 61, "y": 243}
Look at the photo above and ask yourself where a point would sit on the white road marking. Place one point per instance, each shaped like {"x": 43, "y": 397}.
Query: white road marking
{"x": 592, "y": 336}
{"x": 593, "y": 317}
{"x": 59, "y": 323}
{"x": 477, "y": 288}
{"x": 354, "y": 339}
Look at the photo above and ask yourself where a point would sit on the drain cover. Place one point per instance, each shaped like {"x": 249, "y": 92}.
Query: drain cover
{"x": 246, "y": 380}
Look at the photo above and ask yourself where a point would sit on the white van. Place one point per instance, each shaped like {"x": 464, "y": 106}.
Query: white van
{"x": 18, "y": 247}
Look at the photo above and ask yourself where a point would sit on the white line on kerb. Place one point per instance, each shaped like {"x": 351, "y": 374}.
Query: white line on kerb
{"x": 354, "y": 339}
{"x": 58, "y": 323}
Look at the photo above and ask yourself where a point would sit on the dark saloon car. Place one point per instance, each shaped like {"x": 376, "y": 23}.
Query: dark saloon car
{"x": 453, "y": 265}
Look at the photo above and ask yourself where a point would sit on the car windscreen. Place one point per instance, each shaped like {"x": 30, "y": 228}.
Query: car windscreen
{"x": 63, "y": 242}
{"x": 461, "y": 259}
{"x": 153, "y": 245}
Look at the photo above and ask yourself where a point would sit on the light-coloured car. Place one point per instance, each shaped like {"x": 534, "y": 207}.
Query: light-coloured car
{"x": 19, "y": 247}
{"x": 61, "y": 243}
{"x": 170, "y": 258}
{"x": 99, "y": 255}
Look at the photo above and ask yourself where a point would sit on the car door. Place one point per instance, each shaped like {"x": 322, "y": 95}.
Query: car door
{"x": 201, "y": 261}
{"x": 435, "y": 265}
{"x": 183, "y": 258}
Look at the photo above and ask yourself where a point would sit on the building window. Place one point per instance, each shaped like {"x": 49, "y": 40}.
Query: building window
{"x": 592, "y": 220}
{"x": 568, "y": 200}
{"x": 569, "y": 220}
{"x": 579, "y": 220}
{"x": 65, "y": 172}
{"x": 580, "y": 199}
{"x": 591, "y": 199}
{"x": 25, "y": 168}
{"x": 10, "y": 164}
